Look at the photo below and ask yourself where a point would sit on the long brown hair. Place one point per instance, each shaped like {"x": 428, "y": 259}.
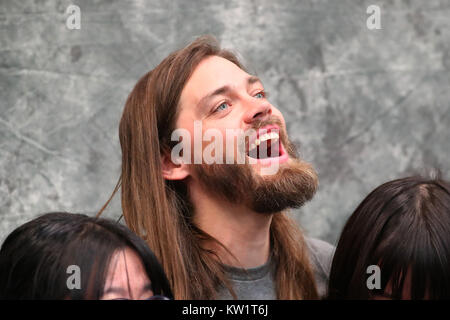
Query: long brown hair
{"x": 160, "y": 210}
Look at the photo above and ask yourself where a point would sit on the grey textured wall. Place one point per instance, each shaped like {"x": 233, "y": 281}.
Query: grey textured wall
{"x": 366, "y": 106}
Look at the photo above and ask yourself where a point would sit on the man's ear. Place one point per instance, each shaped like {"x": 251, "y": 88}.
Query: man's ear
{"x": 173, "y": 171}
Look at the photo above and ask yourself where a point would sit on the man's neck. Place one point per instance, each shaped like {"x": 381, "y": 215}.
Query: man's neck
{"x": 245, "y": 233}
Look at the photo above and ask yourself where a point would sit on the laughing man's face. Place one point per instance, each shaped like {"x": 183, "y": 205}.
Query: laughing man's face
{"x": 223, "y": 96}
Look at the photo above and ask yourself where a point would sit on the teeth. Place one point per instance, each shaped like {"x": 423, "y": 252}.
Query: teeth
{"x": 264, "y": 137}
{"x": 267, "y": 136}
{"x": 274, "y": 135}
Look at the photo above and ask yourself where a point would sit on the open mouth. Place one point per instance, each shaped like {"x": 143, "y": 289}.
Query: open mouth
{"x": 266, "y": 144}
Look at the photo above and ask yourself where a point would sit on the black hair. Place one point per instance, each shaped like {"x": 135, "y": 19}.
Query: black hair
{"x": 403, "y": 227}
{"x": 34, "y": 258}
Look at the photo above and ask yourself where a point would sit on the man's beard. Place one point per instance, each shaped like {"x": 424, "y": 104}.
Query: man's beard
{"x": 291, "y": 186}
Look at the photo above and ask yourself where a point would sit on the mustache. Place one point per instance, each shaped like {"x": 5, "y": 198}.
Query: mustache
{"x": 272, "y": 120}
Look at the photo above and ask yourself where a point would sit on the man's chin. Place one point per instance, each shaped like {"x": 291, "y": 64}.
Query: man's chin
{"x": 292, "y": 186}
{"x": 265, "y": 187}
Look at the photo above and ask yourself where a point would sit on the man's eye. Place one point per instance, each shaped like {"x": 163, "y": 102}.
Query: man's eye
{"x": 260, "y": 95}
{"x": 222, "y": 107}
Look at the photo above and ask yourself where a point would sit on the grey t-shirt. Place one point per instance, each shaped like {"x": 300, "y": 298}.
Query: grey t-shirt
{"x": 258, "y": 283}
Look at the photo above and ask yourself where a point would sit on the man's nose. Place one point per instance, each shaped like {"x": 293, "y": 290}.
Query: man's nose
{"x": 259, "y": 110}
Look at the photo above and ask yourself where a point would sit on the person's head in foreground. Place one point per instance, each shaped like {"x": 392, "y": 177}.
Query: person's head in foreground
{"x": 73, "y": 256}
{"x": 199, "y": 215}
{"x": 403, "y": 229}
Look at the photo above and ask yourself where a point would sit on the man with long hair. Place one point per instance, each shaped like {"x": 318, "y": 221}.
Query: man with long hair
{"x": 220, "y": 230}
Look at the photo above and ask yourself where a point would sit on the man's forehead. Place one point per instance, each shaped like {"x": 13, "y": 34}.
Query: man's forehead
{"x": 212, "y": 73}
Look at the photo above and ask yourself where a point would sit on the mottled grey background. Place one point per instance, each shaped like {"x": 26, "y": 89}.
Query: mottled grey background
{"x": 366, "y": 106}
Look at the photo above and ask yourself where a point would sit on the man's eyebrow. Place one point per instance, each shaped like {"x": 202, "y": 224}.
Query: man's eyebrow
{"x": 223, "y": 90}
{"x": 253, "y": 79}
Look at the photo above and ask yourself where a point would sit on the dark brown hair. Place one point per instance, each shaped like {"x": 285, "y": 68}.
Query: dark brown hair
{"x": 35, "y": 256}
{"x": 403, "y": 226}
{"x": 160, "y": 211}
